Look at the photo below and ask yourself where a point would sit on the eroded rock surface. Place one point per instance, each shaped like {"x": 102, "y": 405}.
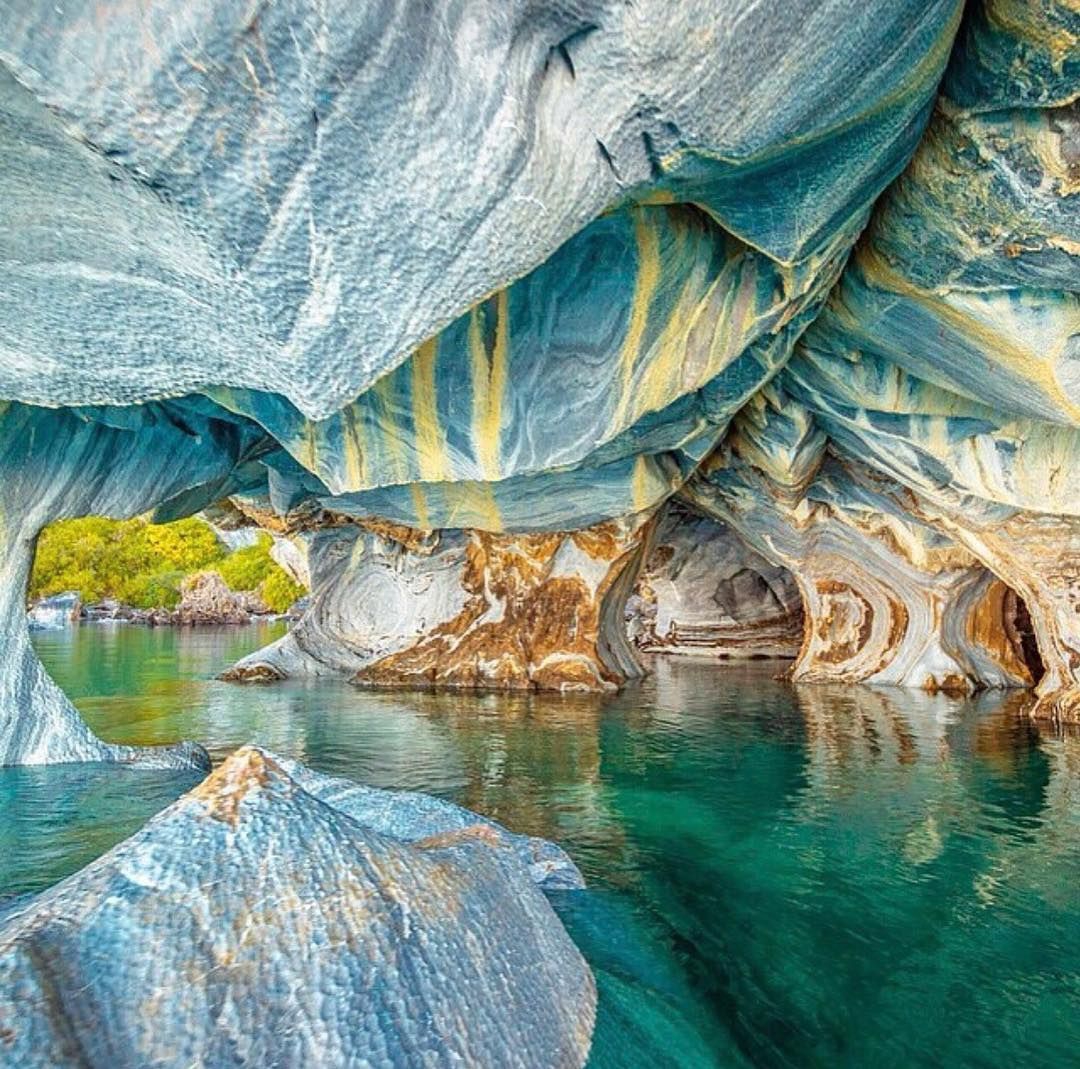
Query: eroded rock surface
{"x": 703, "y": 591}
{"x": 64, "y": 463}
{"x": 946, "y": 356}
{"x": 888, "y": 599}
{"x": 392, "y": 606}
{"x": 574, "y": 259}
{"x": 269, "y": 927}
{"x": 235, "y": 231}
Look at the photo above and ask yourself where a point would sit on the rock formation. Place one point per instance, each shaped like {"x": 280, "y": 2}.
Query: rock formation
{"x": 206, "y": 598}
{"x": 463, "y": 300}
{"x": 703, "y": 591}
{"x": 392, "y": 606}
{"x": 56, "y": 464}
{"x": 946, "y": 356}
{"x": 888, "y": 599}
{"x": 253, "y": 923}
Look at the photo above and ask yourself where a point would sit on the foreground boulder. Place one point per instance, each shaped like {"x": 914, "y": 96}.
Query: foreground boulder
{"x": 252, "y": 924}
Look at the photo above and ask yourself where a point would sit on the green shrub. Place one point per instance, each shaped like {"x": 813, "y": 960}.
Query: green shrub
{"x": 143, "y": 564}
{"x": 247, "y": 568}
{"x": 152, "y": 590}
{"x": 129, "y": 560}
{"x": 279, "y": 591}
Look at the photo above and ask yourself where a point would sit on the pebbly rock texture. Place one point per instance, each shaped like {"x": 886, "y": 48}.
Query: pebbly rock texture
{"x": 410, "y": 816}
{"x": 391, "y": 606}
{"x": 703, "y": 591}
{"x": 235, "y": 231}
{"x": 269, "y": 927}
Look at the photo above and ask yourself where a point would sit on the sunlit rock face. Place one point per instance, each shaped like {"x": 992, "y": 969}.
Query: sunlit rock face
{"x": 947, "y": 355}
{"x": 703, "y": 591}
{"x": 269, "y": 927}
{"x": 56, "y": 464}
{"x": 392, "y": 606}
{"x": 888, "y": 599}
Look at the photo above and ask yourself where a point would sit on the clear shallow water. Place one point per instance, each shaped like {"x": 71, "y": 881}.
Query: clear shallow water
{"x": 779, "y": 877}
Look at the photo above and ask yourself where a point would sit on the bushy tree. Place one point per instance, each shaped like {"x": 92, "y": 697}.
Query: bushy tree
{"x": 279, "y": 590}
{"x": 246, "y": 568}
{"x": 143, "y": 564}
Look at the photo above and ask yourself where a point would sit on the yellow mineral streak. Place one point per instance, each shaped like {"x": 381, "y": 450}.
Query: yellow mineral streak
{"x": 473, "y": 504}
{"x": 645, "y": 283}
{"x": 393, "y": 433}
{"x": 419, "y": 500}
{"x": 1024, "y": 362}
{"x": 355, "y": 449}
{"x": 429, "y": 438}
{"x": 1019, "y": 18}
{"x": 660, "y": 378}
{"x": 641, "y": 488}
{"x": 489, "y": 385}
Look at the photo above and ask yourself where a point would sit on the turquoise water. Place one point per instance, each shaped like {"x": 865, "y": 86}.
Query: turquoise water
{"x": 779, "y": 876}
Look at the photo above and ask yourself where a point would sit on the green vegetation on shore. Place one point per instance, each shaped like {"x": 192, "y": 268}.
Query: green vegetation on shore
{"x": 143, "y": 564}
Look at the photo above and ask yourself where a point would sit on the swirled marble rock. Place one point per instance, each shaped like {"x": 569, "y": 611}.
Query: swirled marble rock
{"x": 947, "y": 356}
{"x": 889, "y": 600}
{"x": 294, "y": 199}
{"x": 703, "y": 591}
{"x": 392, "y": 606}
{"x": 509, "y": 276}
{"x": 251, "y": 923}
{"x": 504, "y": 273}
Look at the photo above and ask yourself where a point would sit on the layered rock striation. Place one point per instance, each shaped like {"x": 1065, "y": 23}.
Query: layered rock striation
{"x": 395, "y": 607}
{"x": 888, "y": 599}
{"x": 946, "y": 356}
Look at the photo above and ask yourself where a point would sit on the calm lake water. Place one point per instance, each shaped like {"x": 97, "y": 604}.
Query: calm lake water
{"x": 779, "y": 876}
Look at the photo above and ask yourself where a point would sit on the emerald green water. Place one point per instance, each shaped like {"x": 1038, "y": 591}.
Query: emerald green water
{"x": 779, "y": 877}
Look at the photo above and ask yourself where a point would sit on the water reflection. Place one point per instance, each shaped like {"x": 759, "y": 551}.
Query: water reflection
{"x": 781, "y": 876}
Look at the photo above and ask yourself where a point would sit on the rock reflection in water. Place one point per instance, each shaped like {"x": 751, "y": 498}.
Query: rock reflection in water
{"x": 778, "y": 875}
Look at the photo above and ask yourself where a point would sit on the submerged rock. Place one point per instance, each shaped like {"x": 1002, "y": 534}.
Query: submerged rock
{"x": 252, "y": 924}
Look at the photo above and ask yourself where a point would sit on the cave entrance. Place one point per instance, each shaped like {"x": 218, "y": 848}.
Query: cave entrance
{"x": 702, "y": 590}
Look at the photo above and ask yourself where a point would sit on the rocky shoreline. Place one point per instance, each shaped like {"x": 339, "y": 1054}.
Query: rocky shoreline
{"x": 205, "y": 601}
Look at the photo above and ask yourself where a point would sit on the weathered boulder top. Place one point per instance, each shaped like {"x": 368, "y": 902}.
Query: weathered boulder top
{"x": 252, "y": 924}
{"x": 291, "y": 199}
{"x": 411, "y": 816}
